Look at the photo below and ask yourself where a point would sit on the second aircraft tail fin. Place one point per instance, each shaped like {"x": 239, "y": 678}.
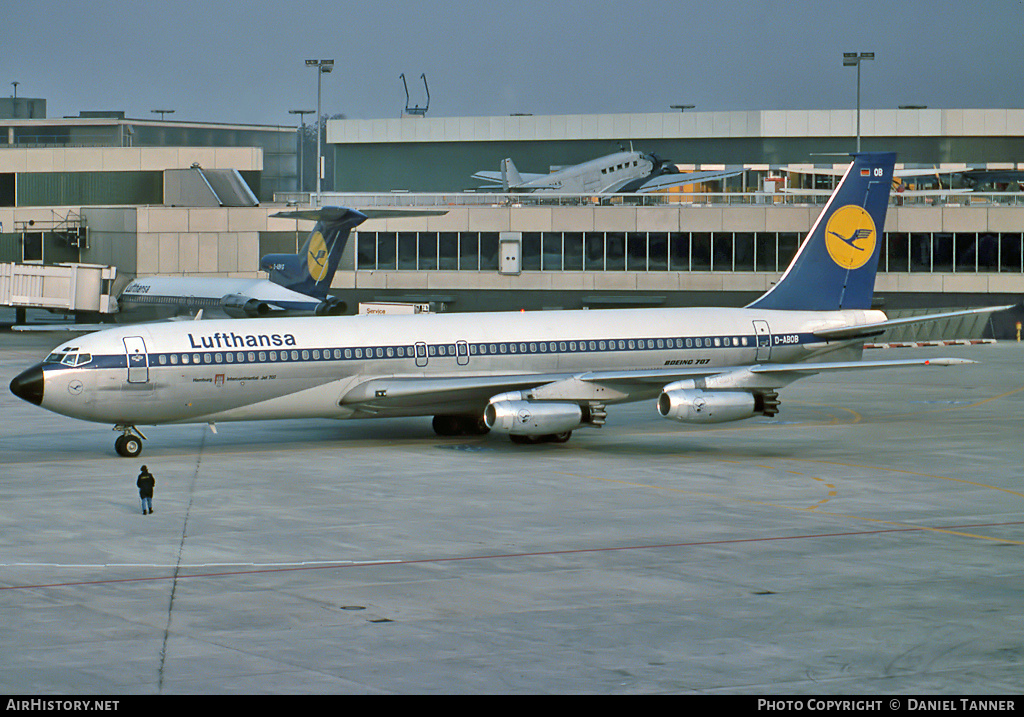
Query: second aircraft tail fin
{"x": 836, "y": 264}
{"x": 510, "y": 178}
{"x": 311, "y": 271}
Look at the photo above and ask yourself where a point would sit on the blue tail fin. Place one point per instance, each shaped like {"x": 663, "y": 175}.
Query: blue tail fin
{"x": 311, "y": 271}
{"x": 836, "y": 264}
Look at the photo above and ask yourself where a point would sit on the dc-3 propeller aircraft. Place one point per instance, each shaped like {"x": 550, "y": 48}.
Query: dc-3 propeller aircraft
{"x": 535, "y": 376}
{"x": 297, "y": 284}
{"x": 622, "y": 172}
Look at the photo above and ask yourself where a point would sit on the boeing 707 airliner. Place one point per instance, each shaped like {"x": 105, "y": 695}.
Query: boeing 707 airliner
{"x": 535, "y": 376}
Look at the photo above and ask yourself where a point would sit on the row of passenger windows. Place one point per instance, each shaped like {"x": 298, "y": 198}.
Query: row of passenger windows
{"x": 458, "y": 349}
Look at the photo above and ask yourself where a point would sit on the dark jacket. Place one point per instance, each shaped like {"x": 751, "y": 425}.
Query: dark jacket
{"x": 145, "y": 483}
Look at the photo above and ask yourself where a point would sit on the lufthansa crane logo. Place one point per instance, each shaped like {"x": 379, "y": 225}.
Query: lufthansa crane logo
{"x": 316, "y": 258}
{"x": 850, "y": 237}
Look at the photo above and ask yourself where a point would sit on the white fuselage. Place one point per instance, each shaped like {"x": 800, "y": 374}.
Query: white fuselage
{"x": 163, "y": 296}
{"x": 327, "y": 367}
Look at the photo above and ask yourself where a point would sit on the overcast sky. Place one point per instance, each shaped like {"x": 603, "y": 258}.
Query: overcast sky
{"x": 245, "y": 61}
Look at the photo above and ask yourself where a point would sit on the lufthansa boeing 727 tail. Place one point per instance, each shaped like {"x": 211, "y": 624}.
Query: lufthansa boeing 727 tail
{"x": 311, "y": 271}
{"x": 835, "y": 266}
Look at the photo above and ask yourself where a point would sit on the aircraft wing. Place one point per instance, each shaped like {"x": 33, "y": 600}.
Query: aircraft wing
{"x": 664, "y": 181}
{"x": 397, "y": 395}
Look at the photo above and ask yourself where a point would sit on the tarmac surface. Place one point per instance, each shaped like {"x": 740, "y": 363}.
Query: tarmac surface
{"x": 867, "y": 540}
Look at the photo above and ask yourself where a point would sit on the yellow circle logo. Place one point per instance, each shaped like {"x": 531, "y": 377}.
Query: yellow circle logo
{"x": 850, "y": 237}
{"x": 316, "y": 258}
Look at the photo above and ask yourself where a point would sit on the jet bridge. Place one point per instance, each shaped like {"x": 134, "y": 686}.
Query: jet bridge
{"x": 58, "y": 287}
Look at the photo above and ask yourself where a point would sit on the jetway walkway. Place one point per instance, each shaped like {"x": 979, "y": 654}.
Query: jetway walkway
{"x": 59, "y": 287}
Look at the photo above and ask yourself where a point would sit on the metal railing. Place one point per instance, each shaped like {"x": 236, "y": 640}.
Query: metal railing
{"x": 370, "y": 200}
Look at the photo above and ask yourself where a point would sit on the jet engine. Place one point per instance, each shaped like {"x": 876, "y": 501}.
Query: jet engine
{"x": 238, "y": 306}
{"x": 331, "y": 306}
{"x": 692, "y": 405}
{"x": 532, "y": 418}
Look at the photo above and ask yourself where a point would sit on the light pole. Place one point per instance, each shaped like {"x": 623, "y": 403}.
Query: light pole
{"x": 323, "y": 67}
{"x": 162, "y": 113}
{"x": 850, "y": 59}
{"x": 302, "y": 142}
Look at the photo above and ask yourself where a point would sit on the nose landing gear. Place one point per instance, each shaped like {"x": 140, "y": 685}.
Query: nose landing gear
{"x": 129, "y": 444}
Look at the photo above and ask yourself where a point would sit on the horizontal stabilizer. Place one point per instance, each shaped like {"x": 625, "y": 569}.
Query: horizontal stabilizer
{"x": 867, "y": 330}
{"x": 335, "y": 214}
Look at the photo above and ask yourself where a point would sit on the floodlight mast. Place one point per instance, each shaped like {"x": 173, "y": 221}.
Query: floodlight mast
{"x": 302, "y": 145}
{"x": 323, "y": 67}
{"x": 850, "y": 59}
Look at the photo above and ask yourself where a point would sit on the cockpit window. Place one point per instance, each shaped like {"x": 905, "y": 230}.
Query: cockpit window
{"x": 68, "y": 357}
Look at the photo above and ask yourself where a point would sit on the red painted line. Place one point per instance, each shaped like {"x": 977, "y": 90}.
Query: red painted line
{"x": 500, "y": 556}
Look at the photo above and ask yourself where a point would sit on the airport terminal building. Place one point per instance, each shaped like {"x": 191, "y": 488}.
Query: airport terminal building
{"x": 708, "y": 245}
{"x": 719, "y": 244}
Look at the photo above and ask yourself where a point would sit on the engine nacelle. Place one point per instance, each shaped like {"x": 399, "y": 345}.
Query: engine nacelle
{"x": 537, "y": 418}
{"x": 697, "y": 406}
{"x": 238, "y": 306}
{"x": 331, "y": 306}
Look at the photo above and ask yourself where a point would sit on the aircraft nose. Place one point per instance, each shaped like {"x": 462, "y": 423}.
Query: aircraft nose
{"x": 28, "y": 385}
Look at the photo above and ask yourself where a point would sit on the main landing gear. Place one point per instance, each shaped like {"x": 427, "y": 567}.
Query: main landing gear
{"x": 546, "y": 438}
{"x": 460, "y": 426}
{"x": 129, "y": 444}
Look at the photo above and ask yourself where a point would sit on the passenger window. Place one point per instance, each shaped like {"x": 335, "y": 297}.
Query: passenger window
{"x": 295, "y": 355}
{"x": 219, "y": 358}
{"x": 305, "y": 355}
{"x": 229, "y": 356}
{"x": 163, "y": 360}
{"x": 263, "y": 355}
{"x": 174, "y": 359}
{"x": 252, "y": 357}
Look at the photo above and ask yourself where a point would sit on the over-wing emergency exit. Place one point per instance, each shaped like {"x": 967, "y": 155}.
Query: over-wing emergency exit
{"x": 534, "y": 376}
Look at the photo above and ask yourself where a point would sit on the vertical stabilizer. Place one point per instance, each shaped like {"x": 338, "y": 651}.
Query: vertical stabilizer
{"x": 836, "y": 264}
{"x": 510, "y": 178}
{"x": 311, "y": 271}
